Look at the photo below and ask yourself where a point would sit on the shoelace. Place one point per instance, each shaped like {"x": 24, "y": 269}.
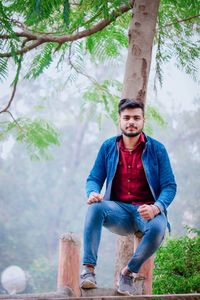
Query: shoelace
{"x": 85, "y": 275}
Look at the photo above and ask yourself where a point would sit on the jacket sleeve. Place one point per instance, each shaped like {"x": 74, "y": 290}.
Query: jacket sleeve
{"x": 167, "y": 181}
{"x": 98, "y": 173}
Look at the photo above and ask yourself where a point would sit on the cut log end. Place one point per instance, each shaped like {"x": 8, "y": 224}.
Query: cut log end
{"x": 72, "y": 237}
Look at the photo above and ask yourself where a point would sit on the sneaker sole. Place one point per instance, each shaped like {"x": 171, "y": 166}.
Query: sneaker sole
{"x": 124, "y": 292}
{"x": 88, "y": 285}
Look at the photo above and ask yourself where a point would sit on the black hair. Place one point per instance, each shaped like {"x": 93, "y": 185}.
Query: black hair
{"x": 130, "y": 103}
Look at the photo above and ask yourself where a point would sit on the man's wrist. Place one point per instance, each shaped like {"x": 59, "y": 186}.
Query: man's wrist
{"x": 155, "y": 209}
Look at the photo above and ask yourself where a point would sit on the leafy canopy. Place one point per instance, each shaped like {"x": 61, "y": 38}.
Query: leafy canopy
{"x": 30, "y": 21}
{"x": 63, "y": 31}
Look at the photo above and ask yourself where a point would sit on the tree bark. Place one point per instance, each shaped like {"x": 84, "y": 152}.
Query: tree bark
{"x": 141, "y": 34}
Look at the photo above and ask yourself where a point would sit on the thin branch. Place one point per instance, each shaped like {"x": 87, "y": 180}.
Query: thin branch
{"x": 183, "y": 20}
{"x": 24, "y": 50}
{"x": 11, "y": 116}
{"x": 18, "y": 23}
{"x": 43, "y": 38}
{"x": 14, "y": 120}
{"x": 14, "y": 87}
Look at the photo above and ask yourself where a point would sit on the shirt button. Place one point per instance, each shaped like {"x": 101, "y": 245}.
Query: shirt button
{"x": 129, "y": 193}
{"x": 129, "y": 180}
{"x": 129, "y": 166}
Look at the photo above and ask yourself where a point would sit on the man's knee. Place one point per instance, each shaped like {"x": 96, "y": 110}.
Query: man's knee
{"x": 95, "y": 209}
{"x": 157, "y": 229}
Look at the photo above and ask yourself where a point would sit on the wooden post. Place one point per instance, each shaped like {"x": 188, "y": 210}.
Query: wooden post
{"x": 146, "y": 270}
{"x": 69, "y": 263}
{"x": 126, "y": 246}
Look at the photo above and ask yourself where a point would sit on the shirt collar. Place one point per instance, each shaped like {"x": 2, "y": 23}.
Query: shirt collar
{"x": 141, "y": 141}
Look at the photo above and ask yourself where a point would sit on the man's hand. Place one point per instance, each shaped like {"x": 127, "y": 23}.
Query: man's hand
{"x": 148, "y": 212}
{"x": 94, "y": 197}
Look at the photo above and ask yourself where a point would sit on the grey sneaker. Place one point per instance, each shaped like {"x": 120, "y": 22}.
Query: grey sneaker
{"x": 126, "y": 285}
{"x": 87, "y": 280}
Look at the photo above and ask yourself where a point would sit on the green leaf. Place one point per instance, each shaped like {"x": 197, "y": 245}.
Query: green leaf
{"x": 37, "y": 135}
{"x": 66, "y": 11}
{"x": 3, "y": 68}
{"x": 41, "y": 61}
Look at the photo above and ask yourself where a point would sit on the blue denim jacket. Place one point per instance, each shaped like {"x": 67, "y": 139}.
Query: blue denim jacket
{"x": 156, "y": 166}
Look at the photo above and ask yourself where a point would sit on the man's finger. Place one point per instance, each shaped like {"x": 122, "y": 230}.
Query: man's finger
{"x": 92, "y": 200}
{"x": 142, "y": 208}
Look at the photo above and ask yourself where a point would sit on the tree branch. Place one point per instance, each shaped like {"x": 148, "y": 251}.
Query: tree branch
{"x": 14, "y": 87}
{"x": 183, "y": 20}
{"x": 24, "y": 50}
{"x": 44, "y": 37}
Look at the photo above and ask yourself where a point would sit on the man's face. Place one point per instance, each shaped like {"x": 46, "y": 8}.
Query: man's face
{"x": 131, "y": 121}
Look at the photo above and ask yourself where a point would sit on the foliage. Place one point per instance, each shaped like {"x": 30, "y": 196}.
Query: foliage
{"x": 177, "y": 266}
{"x": 106, "y": 96}
{"x": 177, "y": 36}
{"x": 42, "y": 19}
{"x": 61, "y": 17}
{"x": 41, "y": 61}
{"x": 38, "y": 135}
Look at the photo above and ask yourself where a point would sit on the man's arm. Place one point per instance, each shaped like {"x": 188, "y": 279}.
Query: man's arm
{"x": 98, "y": 174}
{"x": 168, "y": 188}
{"x": 167, "y": 181}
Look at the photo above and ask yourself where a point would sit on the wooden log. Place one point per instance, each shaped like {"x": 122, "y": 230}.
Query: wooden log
{"x": 69, "y": 264}
{"x": 146, "y": 270}
{"x": 125, "y": 248}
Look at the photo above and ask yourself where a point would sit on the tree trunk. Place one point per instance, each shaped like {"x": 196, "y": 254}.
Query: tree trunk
{"x": 141, "y": 34}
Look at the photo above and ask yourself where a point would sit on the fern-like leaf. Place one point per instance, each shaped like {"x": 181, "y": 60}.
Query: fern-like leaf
{"x": 66, "y": 11}
{"x": 41, "y": 62}
{"x": 3, "y": 68}
{"x": 37, "y": 135}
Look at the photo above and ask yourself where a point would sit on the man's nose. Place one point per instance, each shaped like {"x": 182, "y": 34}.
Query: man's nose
{"x": 131, "y": 121}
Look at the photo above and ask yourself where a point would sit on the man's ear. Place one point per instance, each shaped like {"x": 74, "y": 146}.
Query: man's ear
{"x": 118, "y": 124}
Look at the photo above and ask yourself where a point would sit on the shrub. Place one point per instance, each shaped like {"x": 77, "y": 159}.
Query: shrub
{"x": 177, "y": 265}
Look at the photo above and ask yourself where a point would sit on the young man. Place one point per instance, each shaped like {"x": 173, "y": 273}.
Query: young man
{"x": 140, "y": 185}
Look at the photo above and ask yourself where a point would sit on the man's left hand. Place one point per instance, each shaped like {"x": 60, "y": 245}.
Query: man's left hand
{"x": 148, "y": 212}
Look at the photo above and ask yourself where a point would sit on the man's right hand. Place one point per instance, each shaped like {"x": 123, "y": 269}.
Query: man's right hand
{"x": 94, "y": 197}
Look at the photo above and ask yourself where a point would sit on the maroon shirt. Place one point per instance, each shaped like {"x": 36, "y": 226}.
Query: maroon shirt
{"x": 130, "y": 183}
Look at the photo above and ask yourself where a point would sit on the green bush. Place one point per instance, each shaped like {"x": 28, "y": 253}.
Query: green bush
{"x": 177, "y": 265}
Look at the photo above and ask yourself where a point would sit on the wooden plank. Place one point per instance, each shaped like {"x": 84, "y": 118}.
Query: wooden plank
{"x": 57, "y": 296}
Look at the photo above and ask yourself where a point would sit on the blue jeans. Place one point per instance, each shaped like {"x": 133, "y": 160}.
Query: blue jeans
{"x": 123, "y": 219}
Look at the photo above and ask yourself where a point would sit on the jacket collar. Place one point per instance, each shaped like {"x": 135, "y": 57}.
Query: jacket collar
{"x": 118, "y": 137}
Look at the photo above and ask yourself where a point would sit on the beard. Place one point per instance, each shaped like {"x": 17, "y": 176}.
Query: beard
{"x": 131, "y": 134}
